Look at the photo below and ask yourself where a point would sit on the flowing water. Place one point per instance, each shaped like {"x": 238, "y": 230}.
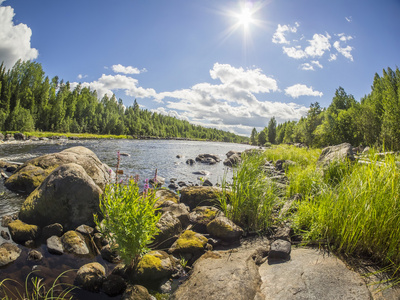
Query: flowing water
{"x": 142, "y": 157}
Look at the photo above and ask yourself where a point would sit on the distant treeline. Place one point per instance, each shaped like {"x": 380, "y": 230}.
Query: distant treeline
{"x": 30, "y": 101}
{"x": 374, "y": 121}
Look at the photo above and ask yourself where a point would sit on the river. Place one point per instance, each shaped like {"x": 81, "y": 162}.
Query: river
{"x": 143, "y": 158}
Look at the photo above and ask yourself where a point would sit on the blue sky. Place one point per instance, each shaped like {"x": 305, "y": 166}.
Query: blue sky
{"x": 226, "y": 64}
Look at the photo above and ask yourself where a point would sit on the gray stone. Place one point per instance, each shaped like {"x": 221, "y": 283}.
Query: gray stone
{"x": 90, "y": 276}
{"x": 85, "y": 230}
{"x": 201, "y": 216}
{"x": 312, "y": 275}
{"x": 280, "y": 249}
{"x": 180, "y": 211}
{"x": 340, "y": 152}
{"x": 74, "y": 242}
{"x": 35, "y": 255}
{"x": 136, "y": 292}
{"x": 54, "y": 245}
{"x": 52, "y": 229}
{"x": 221, "y": 275}
{"x": 223, "y": 228}
{"x": 8, "y": 253}
{"x": 169, "y": 228}
{"x": 200, "y": 196}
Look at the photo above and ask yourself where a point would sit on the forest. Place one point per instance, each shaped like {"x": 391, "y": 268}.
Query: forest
{"x": 374, "y": 121}
{"x": 31, "y": 101}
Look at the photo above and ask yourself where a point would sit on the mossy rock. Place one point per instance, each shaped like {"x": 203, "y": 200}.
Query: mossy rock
{"x": 201, "y": 216}
{"x": 137, "y": 292}
{"x": 169, "y": 228}
{"x": 164, "y": 195}
{"x": 154, "y": 265}
{"x": 223, "y": 228}
{"x": 90, "y": 276}
{"x": 194, "y": 196}
{"x": 74, "y": 242}
{"x": 22, "y": 232}
{"x": 189, "y": 242}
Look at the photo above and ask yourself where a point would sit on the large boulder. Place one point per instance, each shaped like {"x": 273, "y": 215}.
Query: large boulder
{"x": 223, "y": 228}
{"x": 22, "y": 232}
{"x": 91, "y": 276}
{"x": 164, "y": 195}
{"x": 201, "y": 216}
{"x": 194, "y": 196}
{"x": 340, "y": 152}
{"x": 8, "y": 253}
{"x": 180, "y": 211}
{"x": 33, "y": 172}
{"x": 154, "y": 265}
{"x": 68, "y": 196}
{"x": 190, "y": 245}
{"x": 169, "y": 228}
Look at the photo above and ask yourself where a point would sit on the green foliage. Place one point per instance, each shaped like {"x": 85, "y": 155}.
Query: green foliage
{"x": 249, "y": 199}
{"x": 129, "y": 219}
{"x": 29, "y": 100}
{"x": 271, "y": 130}
{"x": 35, "y": 289}
{"x": 253, "y": 137}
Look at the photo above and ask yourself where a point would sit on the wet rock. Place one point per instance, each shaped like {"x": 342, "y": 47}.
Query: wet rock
{"x": 21, "y": 232}
{"x": 207, "y": 183}
{"x": 201, "y": 216}
{"x": 210, "y": 159}
{"x": 8, "y": 253}
{"x": 180, "y": 211}
{"x": 164, "y": 195}
{"x": 190, "y": 162}
{"x": 33, "y": 172}
{"x": 35, "y": 255}
{"x": 200, "y": 196}
{"x": 18, "y": 136}
{"x": 114, "y": 285}
{"x": 280, "y": 250}
{"x": 157, "y": 182}
{"x": 223, "y": 228}
{"x": 189, "y": 244}
{"x": 136, "y": 292}
{"x": 173, "y": 186}
{"x": 54, "y": 245}
{"x": 170, "y": 227}
{"x": 110, "y": 255}
{"x": 52, "y": 229}
{"x": 154, "y": 265}
{"x": 90, "y": 276}
{"x": 74, "y": 242}
{"x": 67, "y": 196}
{"x": 182, "y": 184}
{"x": 232, "y": 160}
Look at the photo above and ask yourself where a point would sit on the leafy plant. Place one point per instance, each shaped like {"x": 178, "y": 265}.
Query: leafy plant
{"x": 129, "y": 219}
{"x": 34, "y": 289}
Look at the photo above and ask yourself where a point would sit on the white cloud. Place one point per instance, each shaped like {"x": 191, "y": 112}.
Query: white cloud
{"x": 108, "y": 84}
{"x": 15, "y": 40}
{"x": 345, "y": 51}
{"x": 294, "y": 52}
{"x": 310, "y": 66}
{"x": 80, "y": 76}
{"x": 317, "y": 63}
{"x": 344, "y": 38}
{"x": 332, "y": 57}
{"x": 127, "y": 70}
{"x": 349, "y": 19}
{"x": 298, "y": 90}
{"x": 318, "y": 45}
{"x": 279, "y": 35}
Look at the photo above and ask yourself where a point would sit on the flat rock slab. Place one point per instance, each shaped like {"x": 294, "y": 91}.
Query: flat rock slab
{"x": 311, "y": 275}
{"x": 221, "y": 275}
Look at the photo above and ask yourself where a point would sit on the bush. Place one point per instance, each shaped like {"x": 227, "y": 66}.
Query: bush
{"x": 129, "y": 219}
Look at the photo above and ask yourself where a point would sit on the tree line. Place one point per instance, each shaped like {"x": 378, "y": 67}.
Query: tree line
{"x": 30, "y": 101}
{"x": 373, "y": 121}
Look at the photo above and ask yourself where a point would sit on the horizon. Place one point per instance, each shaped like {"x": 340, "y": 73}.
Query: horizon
{"x": 231, "y": 65}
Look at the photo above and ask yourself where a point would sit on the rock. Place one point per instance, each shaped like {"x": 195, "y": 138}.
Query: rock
{"x": 200, "y": 196}
{"x": 366, "y": 151}
{"x": 190, "y": 162}
{"x": 280, "y": 250}
{"x": 21, "y": 232}
{"x": 340, "y": 152}
{"x": 52, "y": 229}
{"x": 33, "y": 138}
{"x": 5, "y": 220}
{"x": 33, "y": 172}
{"x": 85, "y": 230}
{"x": 207, "y": 183}
{"x": 282, "y": 233}
{"x": 54, "y": 245}
{"x": 202, "y": 172}
{"x": 136, "y": 292}
{"x": 232, "y": 160}
{"x": 90, "y": 276}
{"x": 223, "y": 228}
{"x": 114, "y": 285}
{"x": 230, "y": 153}
{"x": 164, "y": 195}
{"x": 179, "y": 156}
{"x": 189, "y": 242}
{"x": 18, "y": 136}
{"x": 180, "y": 211}
{"x": 35, "y": 255}
{"x": 8, "y": 253}
{"x": 201, "y": 216}
{"x": 311, "y": 274}
{"x": 9, "y": 137}
{"x": 74, "y": 242}
{"x": 109, "y": 254}
{"x": 260, "y": 255}
{"x": 5, "y": 235}
{"x": 154, "y": 265}
{"x": 282, "y": 165}
{"x": 210, "y": 159}
{"x": 11, "y": 168}
{"x": 67, "y": 196}
{"x": 182, "y": 184}
{"x": 157, "y": 182}
{"x": 1, "y": 136}
{"x": 173, "y": 186}
{"x": 169, "y": 228}
{"x": 221, "y": 275}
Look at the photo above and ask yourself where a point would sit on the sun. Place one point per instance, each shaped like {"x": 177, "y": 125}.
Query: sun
{"x": 245, "y": 17}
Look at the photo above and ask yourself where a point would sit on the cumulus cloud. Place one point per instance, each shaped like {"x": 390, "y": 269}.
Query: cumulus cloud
{"x": 15, "y": 40}
{"x": 108, "y": 84}
{"x": 279, "y": 35}
{"x": 298, "y": 90}
{"x": 345, "y": 51}
{"x": 127, "y": 70}
{"x": 310, "y": 66}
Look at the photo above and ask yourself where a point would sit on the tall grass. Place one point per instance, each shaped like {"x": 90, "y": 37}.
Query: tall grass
{"x": 249, "y": 199}
{"x": 357, "y": 211}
